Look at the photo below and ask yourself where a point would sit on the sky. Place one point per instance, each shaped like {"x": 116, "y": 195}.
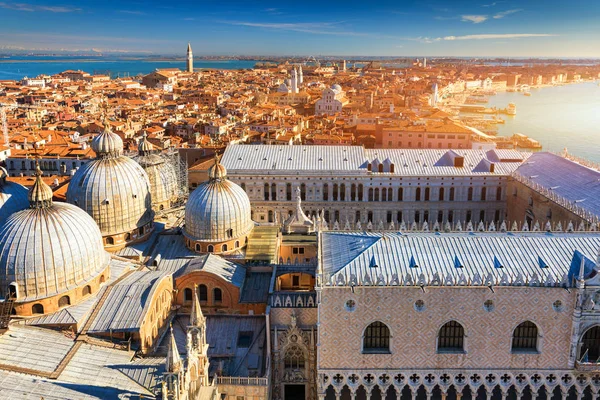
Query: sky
{"x": 485, "y": 28}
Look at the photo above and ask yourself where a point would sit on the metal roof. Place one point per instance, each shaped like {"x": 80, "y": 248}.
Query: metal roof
{"x": 171, "y": 253}
{"x": 362, "y": 258}
{"x": 354, "y": 159}
{"x": 125, "y": 306}
{"x": 568, "y": 179}
{"x": 33, "y": 348}
{"x": 256, "y": 287}
{"x": 224, "y": 269}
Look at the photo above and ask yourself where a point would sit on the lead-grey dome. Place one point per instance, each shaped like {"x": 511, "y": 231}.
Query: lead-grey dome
{"x": 49, "y": 248}
{"x": 13, "y": 197}
{"x": 113, "y": 189}
{"x": 161, "y": 174}
{"x": 218, "y": 210}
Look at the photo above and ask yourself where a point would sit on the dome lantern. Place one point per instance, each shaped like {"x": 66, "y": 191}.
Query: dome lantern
{"x": 217, "y": 172}
{"x": 107, "y": 144}
{"x": 40, "y": 195}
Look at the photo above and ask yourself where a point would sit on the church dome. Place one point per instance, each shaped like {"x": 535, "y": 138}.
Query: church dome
{"x": 218, "y": 210}
{"x": 161, "y": 174}
{"x": 113, "y": 189}
{"x": 50, "y": 248}
{"x": 13, "y": 197}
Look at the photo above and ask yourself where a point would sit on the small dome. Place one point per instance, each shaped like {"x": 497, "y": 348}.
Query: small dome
{"x": 49, "y": 248}
{"x": 218, "y": 210}
{"x": 13, "y": 197}
{"x": 336, "y": 88}
{"x": 163, "y": 179}
{"x": 108, "y": 143}
{"x": 144, "y": 146}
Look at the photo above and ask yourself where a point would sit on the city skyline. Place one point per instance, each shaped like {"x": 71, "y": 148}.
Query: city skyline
{"x": 435, "y": 28}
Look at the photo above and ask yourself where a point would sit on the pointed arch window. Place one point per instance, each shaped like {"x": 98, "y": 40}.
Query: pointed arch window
{"x": 525, "y": 338}
{"x": 590, "y": 346}
{"x": 451, "y": 338}
{"x": 294, "y": 358}
{"x": 376, "y": 338}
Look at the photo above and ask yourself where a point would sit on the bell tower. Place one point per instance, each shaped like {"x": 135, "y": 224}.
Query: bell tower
{"x": 190, "y": 59}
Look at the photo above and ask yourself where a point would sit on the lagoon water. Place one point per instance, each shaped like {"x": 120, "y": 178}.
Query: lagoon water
{"x": 16, "y": 68}
{"x": 558, "y": 117}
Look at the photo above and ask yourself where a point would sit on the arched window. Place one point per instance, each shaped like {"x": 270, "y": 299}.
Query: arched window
{"x": 390, "y": 195}
{"x": 210, "y": 248}
{"x": 427, "y": 192}
{"x": 294, "y": 358}
{"x": 353, "y": 192}
{"x": 470, "y": 194}
{"x": 370, "y": 194}
{"x": 237, "y": 244}
{"x": 64, "y": 301}
{"x": 380, "y": 168}
{"x": 384, "y": 194}
{"x": 451, "y": 337}
{"x": 400, "y": 194}
{"x": 483, "y": 194}
{"x": 342, "y": 192}
{"x": 188, "y": 295}
{"x": 224, "y": 248}
{"x": 288, "y": 191}
{"x": 525, "y": 337}
{"x": 266, "y": 191}
{"x": 217, "y": 295}
{"x": 303, "y": 191}
{"x": 102, "y": 279}
{"x": 197, "y": 246}
{"x": 441, "y": 195}
{"x": 418, "y": 194}
{"x": 202, "y": 293}
{"x": 376, "y": 194}
{"x": 590, "y": 345}
{"x": 499, "y": 193}
{"x": 273, "y": 192}
{"x": 335, "y": 191}
{"x": 325, "y": 192}
{"x": 376, "y": 338}
{"x": 13, "y": 291}
{"x": 360, "y": 192}
{"x": 451, "y": 195}
{"x": 110, "y": 241}
{"x": 87, "y": 289}
{"x": 37, "y": 309}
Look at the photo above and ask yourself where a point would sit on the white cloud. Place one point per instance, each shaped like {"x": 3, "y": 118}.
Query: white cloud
{"x": 497, "y": 36}
{"x": 33, "y": 8}
{"x": 476, "y": 19}
{"x": 505, "y": 13}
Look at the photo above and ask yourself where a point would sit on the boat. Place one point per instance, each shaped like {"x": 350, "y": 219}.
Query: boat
{"x": 511, "y": 109}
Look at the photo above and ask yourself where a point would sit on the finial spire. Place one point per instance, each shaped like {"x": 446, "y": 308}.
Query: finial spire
{"x": 196, "y": 316}
{"x": 173, "y": 362}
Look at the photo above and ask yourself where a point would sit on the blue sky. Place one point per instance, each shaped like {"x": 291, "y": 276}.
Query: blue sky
{"x": 328, "y": 27}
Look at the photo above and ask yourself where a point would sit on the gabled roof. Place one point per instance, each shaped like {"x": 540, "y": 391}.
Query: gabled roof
{"x": 504, "y": 258}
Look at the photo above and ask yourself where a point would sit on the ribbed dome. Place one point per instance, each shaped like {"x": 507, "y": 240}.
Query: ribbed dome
{"x": 50, "y": 250}
{"x": 13, "y": 197}
{"x": 107, "y": 144}
{"x": 217, "y": 210}
{"x": 162, "y": 177}
{"x": 115, "y": 192}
